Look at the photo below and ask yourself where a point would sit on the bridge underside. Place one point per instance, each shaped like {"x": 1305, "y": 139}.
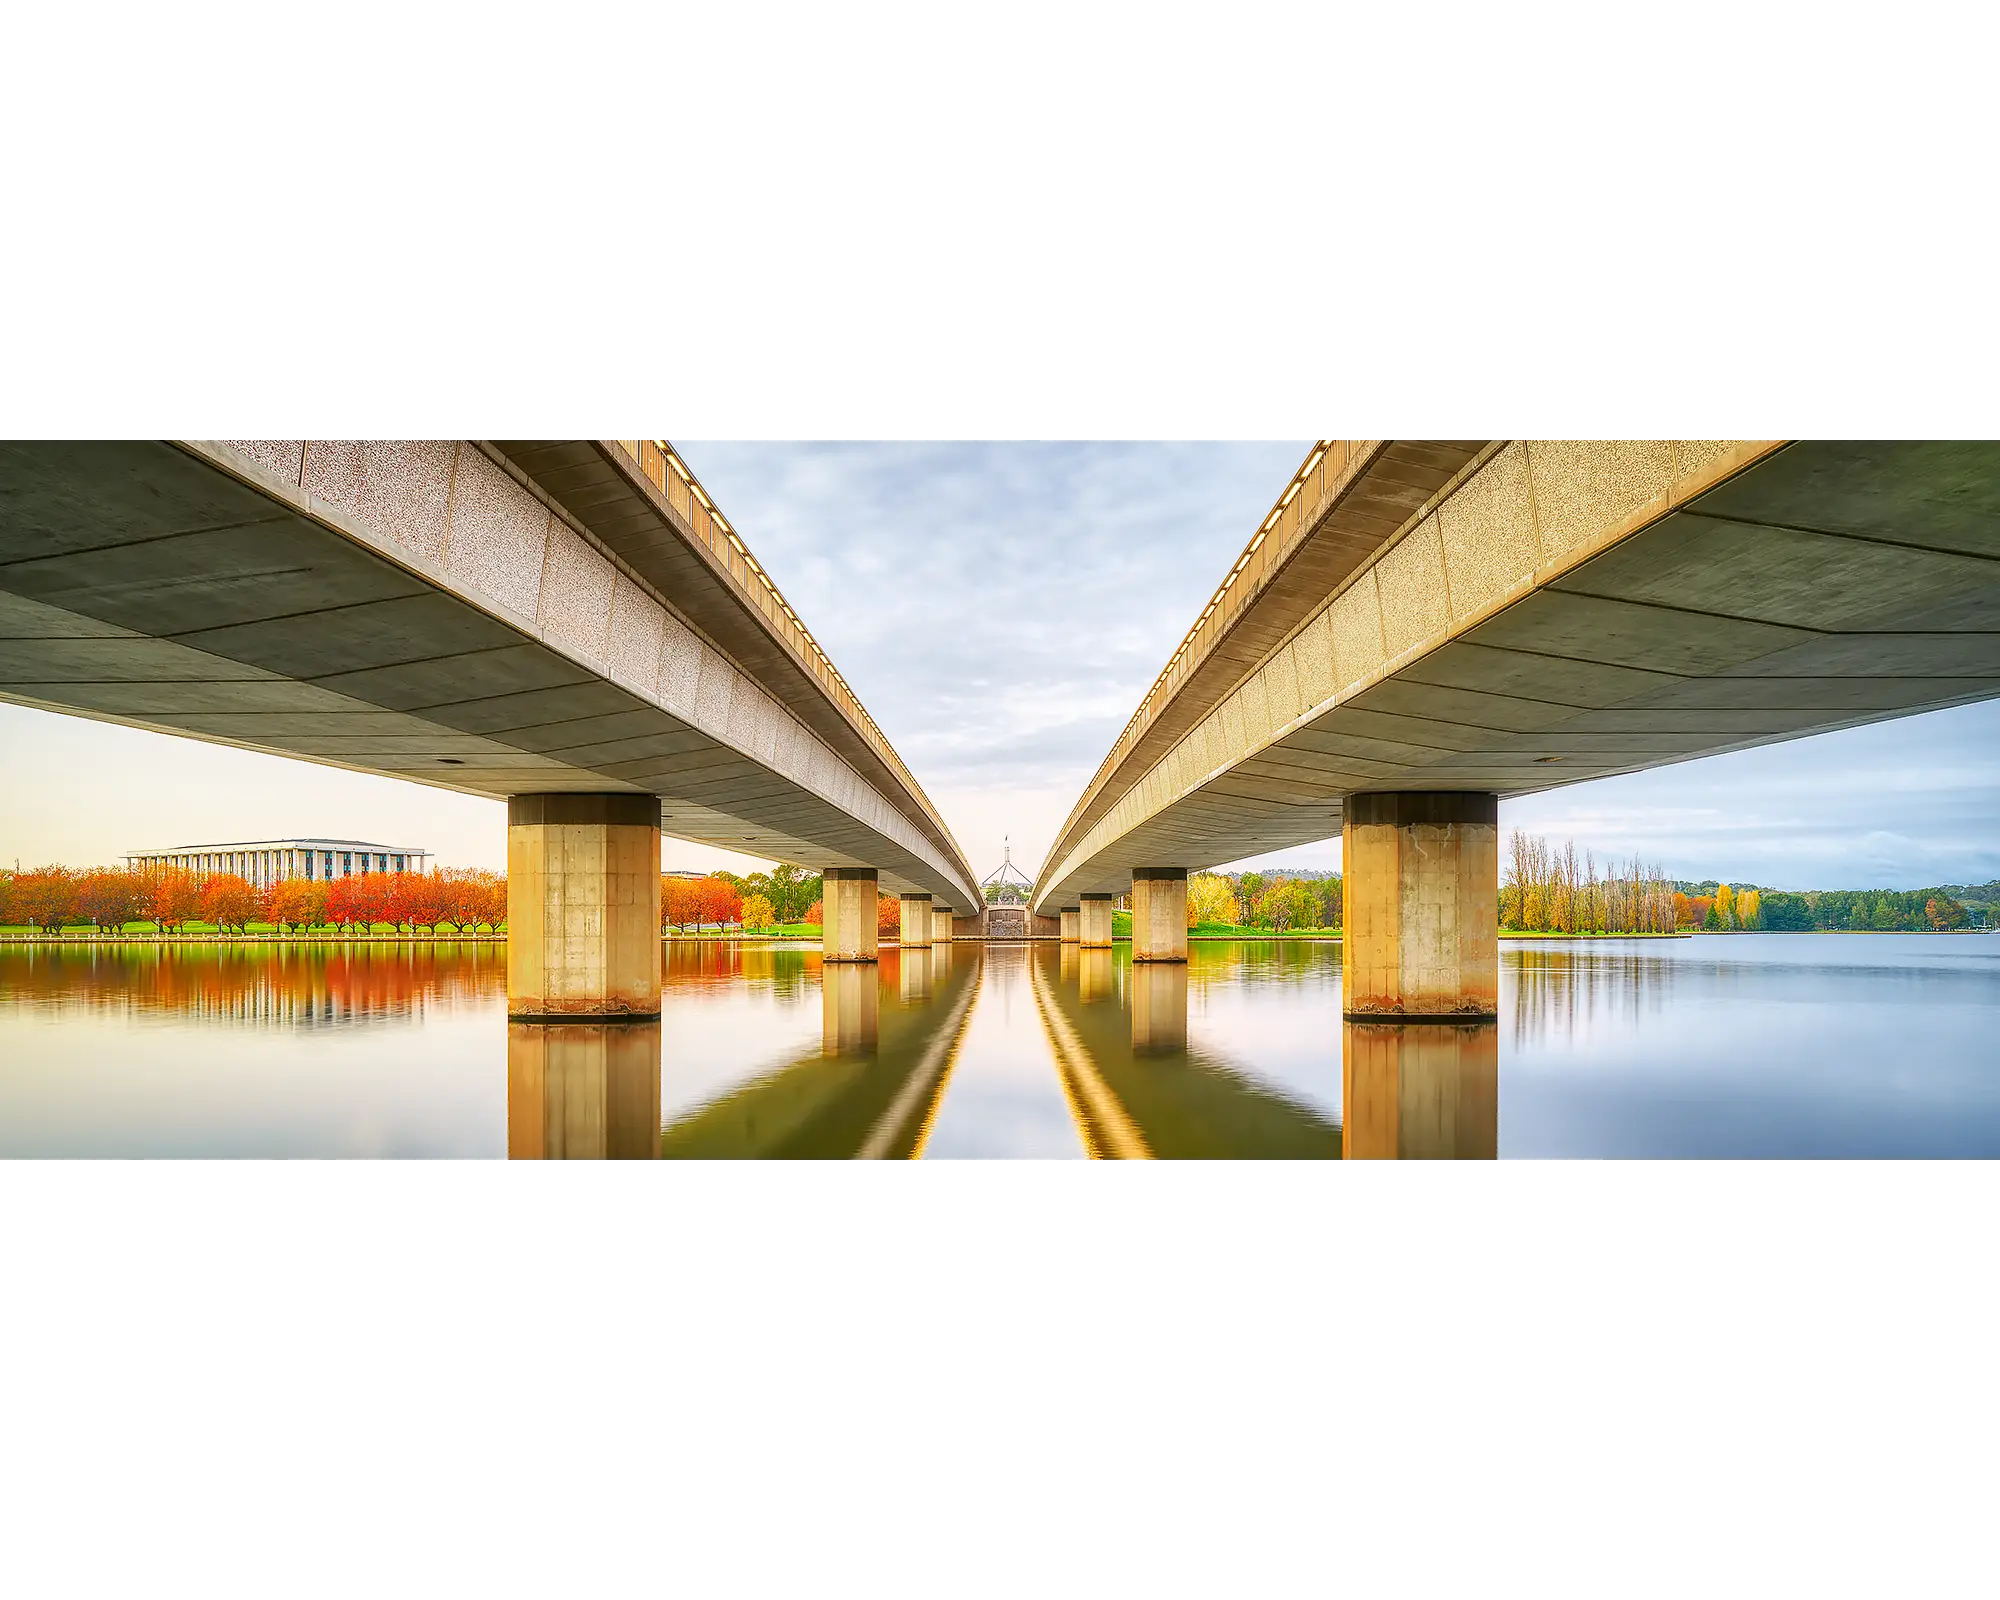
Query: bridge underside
{"x": 1822, "y": 586}
{"x": 141, "y": 583}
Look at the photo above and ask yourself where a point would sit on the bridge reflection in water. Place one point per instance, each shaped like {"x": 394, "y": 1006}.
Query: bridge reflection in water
{"x": 1134, "y": 1082}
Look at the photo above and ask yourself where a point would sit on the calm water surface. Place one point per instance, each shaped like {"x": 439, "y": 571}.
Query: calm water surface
{"x": 1767, "y": 1045}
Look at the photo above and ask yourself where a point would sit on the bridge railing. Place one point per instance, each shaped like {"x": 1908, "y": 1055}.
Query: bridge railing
{"x": 663, "y": 468}
{"x": 1328, "y": 466}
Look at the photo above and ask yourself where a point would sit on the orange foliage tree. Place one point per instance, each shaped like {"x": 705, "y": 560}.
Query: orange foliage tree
{"x": 295, "y": 903}
{"x": 888, "y": 914}
{"x": 816, "y": 914}
{"x": 110, "y": 897}
{"x": 47, "y": 897}
{"x": 228, "y": 901}
{"x": 173, "y": 896}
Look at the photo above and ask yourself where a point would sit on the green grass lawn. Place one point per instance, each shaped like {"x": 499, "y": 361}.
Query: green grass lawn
{"x": 1231, "y": 930}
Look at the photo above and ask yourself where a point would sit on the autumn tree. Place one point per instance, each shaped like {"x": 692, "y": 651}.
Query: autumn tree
{"x": 888, "y": 914}
{"x": 48, "y": 897}
{"x": 815, "y": 914}
{"x": 173, "y": 897}
{"x": 296, "y": 903}
{"x": 758, "y": 912}
{"x": 110, "y": 897}
{"x": 1210, "y": 899}
{"x": 1943, "y": 913}
{"x": 228, "y": 901}
{"x": 1749, "y": 909}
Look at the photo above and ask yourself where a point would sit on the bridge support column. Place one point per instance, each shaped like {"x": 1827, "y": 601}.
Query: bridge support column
{"x": 1094, "y": 922}
{"x": 1422, "y": 934}
{"x": 916, "y": 929}
{"x": 1159, "y": 913}
{"x": 848, "y": 897}
{"x": 583, "y": 905}
{"x": 941, "y": 928}
{"x": 1067, "y": 922}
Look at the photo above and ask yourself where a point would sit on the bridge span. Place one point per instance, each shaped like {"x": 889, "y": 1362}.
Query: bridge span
{"x": 1420, "y": 627}
{"x": 570, "y": 625}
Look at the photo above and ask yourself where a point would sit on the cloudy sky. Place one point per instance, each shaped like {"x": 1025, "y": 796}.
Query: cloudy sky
{"x": 1000, "y": 608}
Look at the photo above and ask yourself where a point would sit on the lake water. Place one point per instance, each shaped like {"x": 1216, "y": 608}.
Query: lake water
{"x": 1761, "y": 1045}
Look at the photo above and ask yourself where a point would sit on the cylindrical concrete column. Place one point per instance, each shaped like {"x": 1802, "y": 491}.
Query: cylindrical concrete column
{"x": 1420, "y": 1091}
{"x": 1067, "y": 921}
{"x": 1093, "y": 926}
{"x": 941, "y": 929}
{"x": 1159, "y": 913}
{"x": 583, "y": 905}
{"x": 1422, "y": 935}
{"x": 848, "y": 897}
{"x": 916, "y": 930}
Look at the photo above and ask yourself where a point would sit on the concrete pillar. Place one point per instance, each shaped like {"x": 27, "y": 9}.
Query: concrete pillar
{"x": 848, "y": 897}
{"x": 583, "y": 1090}
{"x": 583, "y": 905}
{"x": 1159, "y": 913}
{"x": 1420, "y": 1091}
{"x": 916, "y": 930}
{"x": 941, "y": 929}
{"x": 1422, "y": 935}
{"x": 1159, "y": 1006}
{"x": 851, "y": 1009}
{"x": 1067, "y": 919}
{"x": 1094, "y": 922}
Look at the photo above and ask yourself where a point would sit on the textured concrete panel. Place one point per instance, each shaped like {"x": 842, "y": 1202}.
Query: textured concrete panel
{"x": 1411, "y": 582}
{"x": 1281, "y": 687}
{"x": 1357, "y": 632}
{"x": 637, "y": 623}
{"x": 279, "y": 457}
{"x": 1583, "y": 487}
{"x": 680, "y": 665}
{"x": 1312, "y": 651}
{"x": 1487, "y": 530}
{"x": 712, "y": 690}
{"x": 576, "y": 596}
{"x": 498, "y": 534}
{"x": 398, "y": 487}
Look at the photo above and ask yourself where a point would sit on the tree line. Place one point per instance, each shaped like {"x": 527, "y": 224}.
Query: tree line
{"x": 1546, "y": 889}
{"x": 1280, "y": 901}
{"x": 169, "y": 898}
{"x": 1932, "y": 910}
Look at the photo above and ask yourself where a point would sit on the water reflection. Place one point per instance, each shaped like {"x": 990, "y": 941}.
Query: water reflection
{"x": 1137, "y": 1089}
{"x": 583, "y": 1091}
{"x": 1421, "y": 1090}
{"x": 892, "y": 1032}
{"x": 1768, "y": 1045}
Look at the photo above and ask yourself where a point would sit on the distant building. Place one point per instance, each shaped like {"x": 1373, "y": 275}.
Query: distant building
{"x": 267, "y": 861}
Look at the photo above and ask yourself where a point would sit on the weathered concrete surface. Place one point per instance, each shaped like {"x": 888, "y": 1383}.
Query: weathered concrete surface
{"x": 433, "y": 611}
{"x": 1159, "y": 914}
{"x": 1420, "y": 1091}
{"x": 583, "y": 906}
{"x": 1565, "y": 610}
{"x": 1422, "y": 905}
{"x": 914, "y": 930}
{"x": 848, "y": 901}
{"x": 941, "y": 925}
{"x": 1093, "y": 923}
{"x": 1068, "y": 921}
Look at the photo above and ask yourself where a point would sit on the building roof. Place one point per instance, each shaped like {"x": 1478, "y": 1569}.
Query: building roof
{"x": 287, "y": 844}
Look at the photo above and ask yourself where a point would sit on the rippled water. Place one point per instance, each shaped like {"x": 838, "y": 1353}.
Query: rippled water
{"x": 1767, "y": 1045}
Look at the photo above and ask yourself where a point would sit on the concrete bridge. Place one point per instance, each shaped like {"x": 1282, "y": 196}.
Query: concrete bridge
{"x": 571, "y": 625}
{"x": 1420, "y": 627}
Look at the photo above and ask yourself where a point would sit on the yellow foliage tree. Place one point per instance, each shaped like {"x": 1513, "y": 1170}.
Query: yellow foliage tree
{"x": 1725, "y": 905}
{"x": 1210, "y": 899}
{"x": 758, "y": 912}
{"x": 1749, "y": 909}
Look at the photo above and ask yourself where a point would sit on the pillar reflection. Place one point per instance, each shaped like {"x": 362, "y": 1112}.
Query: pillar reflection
{"x": 913, "y": 975}
{"x": 1066, "y": 967}
{"x": 851, "y": 1014}
{"x": 1420, "y": 1091}
{"x": 1093, "y": 975}
{"x": 1159, "y": 1007}
{"x": 583, "y": 1091}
